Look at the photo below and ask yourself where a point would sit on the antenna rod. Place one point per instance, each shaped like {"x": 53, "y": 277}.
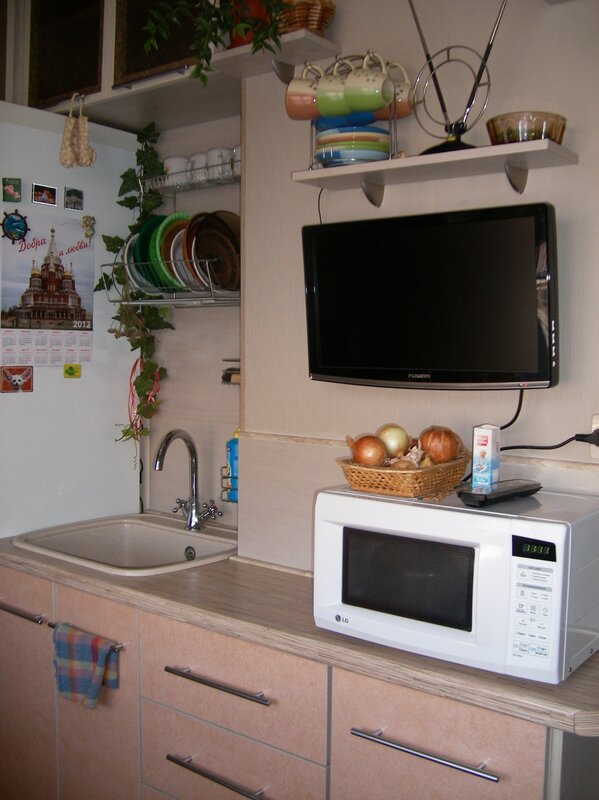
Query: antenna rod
{"x": 429, "y": 62}
{"x": 483, "y": 65}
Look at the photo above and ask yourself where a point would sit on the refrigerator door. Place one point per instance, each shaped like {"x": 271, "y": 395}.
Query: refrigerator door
{"x": 60, "y": 460}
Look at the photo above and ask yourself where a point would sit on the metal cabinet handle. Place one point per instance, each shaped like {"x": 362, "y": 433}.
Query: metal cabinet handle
{"x": 185, "y": 672}
{"x": 186, "y": 763}
{"x": 18, "y": 612}
{"x": 478, "y": 772}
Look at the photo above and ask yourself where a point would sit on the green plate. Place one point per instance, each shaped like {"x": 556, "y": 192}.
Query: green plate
{"x": 163, "y": 276}
{"x": 141, "y": 249}
{"x": 168, "y": 277}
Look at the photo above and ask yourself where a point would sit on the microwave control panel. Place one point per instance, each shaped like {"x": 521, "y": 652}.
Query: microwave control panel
{"x": 533, "y": 628}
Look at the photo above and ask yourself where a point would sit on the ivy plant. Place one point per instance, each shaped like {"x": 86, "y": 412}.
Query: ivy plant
{"x": 136, "y": 322}
{"x": 213, "y": 23}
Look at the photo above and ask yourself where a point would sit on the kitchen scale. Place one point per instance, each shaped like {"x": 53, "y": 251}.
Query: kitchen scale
{"x": 431, "y": 110}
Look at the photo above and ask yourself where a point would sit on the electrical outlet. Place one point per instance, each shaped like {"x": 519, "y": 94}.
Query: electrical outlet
{"x": 594, "y": 426}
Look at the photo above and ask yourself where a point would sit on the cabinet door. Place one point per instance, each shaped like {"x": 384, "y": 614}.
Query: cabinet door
{"x": 208, "y": 762}
{"x": 98, "y": 748}
{"x": 509, "y": 748}
{"x": 27, "y": 722}
{"x": 294, "y": 689}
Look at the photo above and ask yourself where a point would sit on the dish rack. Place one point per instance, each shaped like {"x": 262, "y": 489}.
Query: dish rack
{"x": 119, "y": 289}
{"x": 176, "y": 182}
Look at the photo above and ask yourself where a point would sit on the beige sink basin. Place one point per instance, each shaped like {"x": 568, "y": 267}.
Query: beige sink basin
{"x": 140, "y": 544}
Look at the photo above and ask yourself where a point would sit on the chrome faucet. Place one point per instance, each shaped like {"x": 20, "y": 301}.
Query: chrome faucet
{"x": 194, "y": 520}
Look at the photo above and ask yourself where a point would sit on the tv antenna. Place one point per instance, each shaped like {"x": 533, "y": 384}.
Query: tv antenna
{"x": 428, "y": 77}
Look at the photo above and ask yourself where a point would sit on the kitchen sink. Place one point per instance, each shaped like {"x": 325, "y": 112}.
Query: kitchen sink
{"x": 139, "y": 544}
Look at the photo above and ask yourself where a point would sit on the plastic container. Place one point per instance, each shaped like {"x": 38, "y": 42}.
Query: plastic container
{"x": 233, "y": 467}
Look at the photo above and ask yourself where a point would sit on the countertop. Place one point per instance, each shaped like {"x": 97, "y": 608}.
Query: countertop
{"x": 273, "y": 607}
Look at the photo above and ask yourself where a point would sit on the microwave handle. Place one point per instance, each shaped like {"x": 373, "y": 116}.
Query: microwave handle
{"x": 375, "y": 737}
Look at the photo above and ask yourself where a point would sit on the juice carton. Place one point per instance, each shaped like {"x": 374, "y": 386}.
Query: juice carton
{"x": 485, "y": 455}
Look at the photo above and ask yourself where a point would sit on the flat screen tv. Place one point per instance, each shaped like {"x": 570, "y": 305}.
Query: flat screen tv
{"x": 457, "y": 300}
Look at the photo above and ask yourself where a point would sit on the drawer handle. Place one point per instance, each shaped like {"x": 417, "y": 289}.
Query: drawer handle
{"x": 18, "y": 612}
{"x": 186, "y": 672}
{"x": 186, "y": 763}
{"x": 478, "y": 772}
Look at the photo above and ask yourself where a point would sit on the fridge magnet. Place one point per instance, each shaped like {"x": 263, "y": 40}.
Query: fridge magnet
{"x": 43, "y": 194}
{"x": 73, "y": 198}
{"x": 14, "y": 226}
{"x": 11, "y": 190}
{"x": 17, "y": 379}
{"x": 71, "y": 371}
{"x": 89, "y": 225}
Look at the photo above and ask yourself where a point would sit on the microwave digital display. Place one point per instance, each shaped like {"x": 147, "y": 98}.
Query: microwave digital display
{"x": 533, "y": 548}
{"x": 419, "y": 579}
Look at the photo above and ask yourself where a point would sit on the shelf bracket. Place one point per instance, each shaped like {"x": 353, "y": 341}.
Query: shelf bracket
{"x": 517, "y": 177}
{"x": 375, "y": 192}
{"x": 283, "y": 71}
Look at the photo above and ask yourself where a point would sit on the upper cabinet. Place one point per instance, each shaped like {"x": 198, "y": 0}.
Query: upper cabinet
{"x": 124, "y": 87}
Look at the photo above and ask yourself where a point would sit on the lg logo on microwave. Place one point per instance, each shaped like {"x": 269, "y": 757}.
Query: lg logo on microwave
{"x": 339, "y": 618}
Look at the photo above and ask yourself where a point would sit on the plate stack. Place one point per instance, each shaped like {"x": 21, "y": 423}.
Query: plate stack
{"x": 179, "y": 253}
{"x": 351, "y": 145}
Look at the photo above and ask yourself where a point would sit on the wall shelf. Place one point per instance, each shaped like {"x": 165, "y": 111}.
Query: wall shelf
{"x": 514, "y": 160}
{"x": 176, "y": 100}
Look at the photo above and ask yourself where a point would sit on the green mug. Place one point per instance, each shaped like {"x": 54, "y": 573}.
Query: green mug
{"x": 330, "y": 95}
{"x": 369, "y": 88}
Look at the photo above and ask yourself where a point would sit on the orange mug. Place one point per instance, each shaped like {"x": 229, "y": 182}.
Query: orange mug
{"x": 300, "y": 96}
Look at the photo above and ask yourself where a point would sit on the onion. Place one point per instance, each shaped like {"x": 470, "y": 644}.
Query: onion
{"x": 440, "y": 444}
{"x": 368, "y": 450}
{"x": 395, "y": 438}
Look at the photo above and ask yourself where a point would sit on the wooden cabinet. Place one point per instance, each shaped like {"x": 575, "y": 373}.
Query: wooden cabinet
{"x": 74, "y": 31}
{"x": 245, "y": 714}
{"x": 27, "y": 719}
{"x": 190, "y": 758}
{"x": 98, "y": 748}
{"x": 455, "y": 734}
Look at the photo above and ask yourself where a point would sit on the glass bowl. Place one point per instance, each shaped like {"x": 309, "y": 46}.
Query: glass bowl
{"x": 525, "y": 126}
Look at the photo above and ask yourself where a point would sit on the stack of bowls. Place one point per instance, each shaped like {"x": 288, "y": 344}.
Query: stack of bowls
{"x": 351, "y": 145}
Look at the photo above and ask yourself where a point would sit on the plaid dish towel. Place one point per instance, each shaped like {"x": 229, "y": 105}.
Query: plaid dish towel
{"x": 82, "y": 664}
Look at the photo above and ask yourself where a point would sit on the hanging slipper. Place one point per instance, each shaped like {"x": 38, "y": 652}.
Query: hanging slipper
{"x": 69, "y": 145}
{"x": 86, "y": 155}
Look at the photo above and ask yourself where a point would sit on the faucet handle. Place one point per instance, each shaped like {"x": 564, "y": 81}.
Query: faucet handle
{"x": 210, "y": 511}
{"x": 181, "y": 505}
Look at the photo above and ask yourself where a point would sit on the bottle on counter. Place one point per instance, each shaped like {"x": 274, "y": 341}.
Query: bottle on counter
{"x": 232, "y": 466}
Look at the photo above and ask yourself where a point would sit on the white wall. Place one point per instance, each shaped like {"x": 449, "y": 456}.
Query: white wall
{"x": 545, "y": 57}
{"x": 60, "y": 461}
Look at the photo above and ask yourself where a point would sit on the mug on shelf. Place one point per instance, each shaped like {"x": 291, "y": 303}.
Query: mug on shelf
{"x": 369, "y": 87}
{"x": 198, "y": 171}
{"x": 403, "y": 94}
{"x": 218, "y": 160}
{"x": 330, "y": 94}
{"x": 176, "y": 169}
{"x": 300, "y": 95}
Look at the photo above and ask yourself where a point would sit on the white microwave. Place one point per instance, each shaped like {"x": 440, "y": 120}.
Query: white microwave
{"x": 513, "y": 588}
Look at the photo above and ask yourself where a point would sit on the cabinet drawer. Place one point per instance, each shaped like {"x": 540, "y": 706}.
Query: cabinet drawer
{"x": 245, "y": 765}
{"x": 280, "y": 699}
{"x": 512, "y": 749}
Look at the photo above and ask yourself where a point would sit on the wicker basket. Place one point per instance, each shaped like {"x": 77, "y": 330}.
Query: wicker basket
{"x": 433, "y": 481}
{"x": 315, "y": 15}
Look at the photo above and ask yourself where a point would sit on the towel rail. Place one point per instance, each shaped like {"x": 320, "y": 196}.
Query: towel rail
{"x": 114, "y": 648}
{"x": 19, "y": 612}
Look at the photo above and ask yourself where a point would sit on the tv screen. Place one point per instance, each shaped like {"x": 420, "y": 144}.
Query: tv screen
{"x": 457, "y": 300}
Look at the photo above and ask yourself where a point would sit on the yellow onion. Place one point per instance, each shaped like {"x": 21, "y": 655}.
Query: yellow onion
{"x": 395, "y": 438}
{"x": 368, "y": 450}
{"x": 440, "y": 444}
